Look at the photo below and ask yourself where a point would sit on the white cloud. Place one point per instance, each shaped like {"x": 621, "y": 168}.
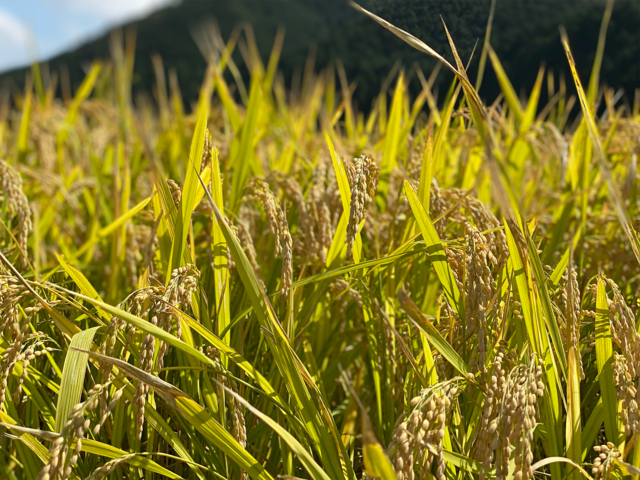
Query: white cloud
{"x": 39, "y": 29}
{"x": 11, "y": 29}
{"x": 112, "y": 10}
{"x": 13, "y": 38}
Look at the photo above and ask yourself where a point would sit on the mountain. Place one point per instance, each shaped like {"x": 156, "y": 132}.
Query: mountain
{"x": 525, "y": 35}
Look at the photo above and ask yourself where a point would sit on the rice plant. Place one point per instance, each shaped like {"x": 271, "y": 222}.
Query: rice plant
{"x": 280, "y": 286}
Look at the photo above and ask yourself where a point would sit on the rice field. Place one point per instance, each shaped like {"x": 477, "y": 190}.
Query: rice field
{"x": 277, "y": 285}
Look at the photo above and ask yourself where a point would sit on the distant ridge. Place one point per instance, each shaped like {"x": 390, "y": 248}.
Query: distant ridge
{"x": 525, "y": 34}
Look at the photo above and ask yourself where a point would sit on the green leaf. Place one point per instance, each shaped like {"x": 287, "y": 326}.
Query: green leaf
{"x": 189, "y": 191}
{"x": 392, "y": 132}
{"x": 536, "y": 334}
{"x": 612, "y": 188}
{"x": 196, "y": 416}
{"x": 557, "y": 273}
{"x": 243, "y": 160}
{"x": 305, "y": 458}
{"x": 320, "y": 424}
{"x": 437, "y": 255}
{"x": 604, "y": 359}
{"x": 376, "y": 462}
{"x": 433, "y": 152}
{"x": 592, "y": 428}
{"x": 550, "y": 460}
{"x": 507, "y": 89}
{"x": 82, "y": 282}
{"x": 64, "y": 324}
{"x": 109, "y": 451}
{"x": 338, "y": 246}
{"x": 23, "y": 133}
{"x": 219, "y": 247}
{"x": 72, "y": 114}
{"x": 112, "y": 227}
{"x": 104, "y": 450}
{"x": 574, "y": 418}
{"x": 594, "y": 79}
{"x": 27, "y": 438}
{"x": 227, "y": 101}
{"x": 438, "y": 342}
{"x": 544, "y": 301}
{"x": 464, "y": 463}
{"x": 73, "y": 373}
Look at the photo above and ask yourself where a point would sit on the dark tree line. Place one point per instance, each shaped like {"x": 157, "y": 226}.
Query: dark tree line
{"x": 525, "y": 34}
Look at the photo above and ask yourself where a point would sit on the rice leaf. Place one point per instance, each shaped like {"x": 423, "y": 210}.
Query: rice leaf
{"x": 23, "y": 133}
{"x": 437, "y": 255}
{"x": 507, "y": 88}
{"x": 306, "y": 459}
{"x": 551, "y": 460}
{"x": 338, "y": 246}
{"x": 73, "y": 373}
{"x": 135, "y": 460}
{"x": 189, "y": 190}
{"x": 83, "y": 92}
{"x": 113, "y": 226}
{"x": 592, "y": 428}
{"x": 320, "y": 425}
{"x": 219, "y": 247}
{"x": 25, "y": 437}
{"x": 439, "y": 343}
{"x": 392, "y": 136}
{"x": 243, "y": 159}
{"x": 612, "y": 188}
{"x": 376, "y": 462}
{"x": 195, "y": 415}
{"x": 604, "y": 358}
{"x": 574, "y": 418}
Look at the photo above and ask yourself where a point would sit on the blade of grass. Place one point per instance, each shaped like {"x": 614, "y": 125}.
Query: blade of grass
{"x": 320, "y": 424}
{"x": 435, "y": 338}
{"x": 73, "y": 373}
{"x": 305, "y": 458}
{"x": 551, "y": 460}
{"x": 507, "y": 88}
{"x": 604, "y": 358}
{"x": 219, "y": 247}
{"x": 243, "y": 160}
{"x": 338, "y": 246}
{"x": 189, "y": 191}
{"x": 72, "y": 114}
{"x": 614, "y": 191}
{"x": 594, "y": 79}
{"x": 437, "y": 255}
{"x": 392, "y": 135}
{"x": 376, "y": 462}
{"x": 195, "y": 415}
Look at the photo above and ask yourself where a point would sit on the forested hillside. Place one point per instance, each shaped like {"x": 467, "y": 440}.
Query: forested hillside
{"x": 525, "y": 34}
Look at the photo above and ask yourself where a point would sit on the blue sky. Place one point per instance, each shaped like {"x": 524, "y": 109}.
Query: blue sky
{"x": 39, "y": 29}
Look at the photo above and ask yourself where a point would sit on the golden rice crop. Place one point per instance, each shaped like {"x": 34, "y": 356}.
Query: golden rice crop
{"x": 289, "y": 288}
